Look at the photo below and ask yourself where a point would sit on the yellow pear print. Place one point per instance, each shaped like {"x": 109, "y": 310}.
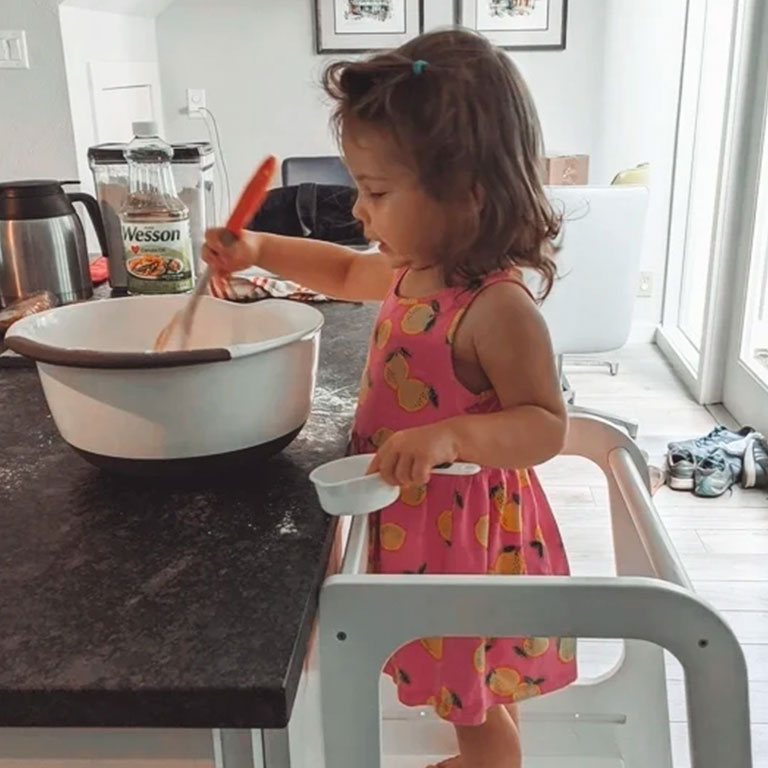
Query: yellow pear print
{"x": 392, "y": 537}
{"x": 420, "y": 318}
{"x": 447, "y": 701}
{"x": 510, "y": 562}
{"x": 482, "y": 530}
{"x": 498, "y": 496}
{"x": 414, "y": 495}
{"x": 479, "y": 658}
{"x": 396, "y": 368}
{"x": 365, "y": 385}
{"x": 503, "y": 681}
{"x": 380, "y": 436}
{"x": 445, "y": 526}
{"x": 528, "y": 689}
{"x": 533, "y": 647}
{"x": 538, "y": 541}
{"x": 481, "y": 651}
{"x": 383, "y": 333}
{"x": 433, "y": 646}
{"x": 511, "y": 515}
{"x": 453, "y": 327}
{"x": 414, "y": 395}
{"x": 566, "y": 649}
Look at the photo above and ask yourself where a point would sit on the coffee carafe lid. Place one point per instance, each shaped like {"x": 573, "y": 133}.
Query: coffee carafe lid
{"x": 29, "y": 188}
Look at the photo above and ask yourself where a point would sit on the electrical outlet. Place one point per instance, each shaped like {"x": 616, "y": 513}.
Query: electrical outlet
{"x": 13, "y": 49}
{"x": 645, "y": 284}
{"x": 195, "y": 102}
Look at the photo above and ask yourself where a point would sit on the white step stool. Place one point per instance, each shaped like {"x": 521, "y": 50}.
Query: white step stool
{"x": 619, "y": 720}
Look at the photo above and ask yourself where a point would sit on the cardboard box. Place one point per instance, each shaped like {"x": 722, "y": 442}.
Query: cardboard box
{"x": 566, "y": 169}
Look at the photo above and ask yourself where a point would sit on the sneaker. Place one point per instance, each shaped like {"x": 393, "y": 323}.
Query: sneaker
{"x": 755, "y": 473}
{"x": 701, "y": 447}
{"x": 680, "y": 468}
{"x": 684, "y": 456}
{"x": 716, "y": 473}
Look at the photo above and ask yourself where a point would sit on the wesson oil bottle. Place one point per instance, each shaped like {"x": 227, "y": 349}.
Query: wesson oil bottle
{"x": 155, "y": 222}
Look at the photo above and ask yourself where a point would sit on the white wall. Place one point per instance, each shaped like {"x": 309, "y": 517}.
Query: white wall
{"x": 120, "y": 38}
{"x": 567, "y": 85}
{"x": 36, "y": 138}
{"x": 264, "y": 89}
{"x": 642, "y": 63}
{"x": 149, "y": 8}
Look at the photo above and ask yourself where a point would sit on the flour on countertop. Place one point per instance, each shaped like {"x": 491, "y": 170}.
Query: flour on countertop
{"x": 334, "y": 400}
{"x": 287, "y": 526}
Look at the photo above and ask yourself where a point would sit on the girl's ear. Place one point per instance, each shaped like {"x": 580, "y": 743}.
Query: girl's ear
{"x": 478, "y": 196}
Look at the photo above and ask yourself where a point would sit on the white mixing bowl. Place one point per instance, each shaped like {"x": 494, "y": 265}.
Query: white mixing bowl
{"x": 242, "y": 390}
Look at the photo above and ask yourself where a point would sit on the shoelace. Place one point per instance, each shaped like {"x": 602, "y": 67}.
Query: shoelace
{"x": 702, "y": 441}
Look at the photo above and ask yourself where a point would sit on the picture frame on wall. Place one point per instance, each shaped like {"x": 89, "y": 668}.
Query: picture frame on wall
{"x": 357, "y": 26}
{"x": 527, "y": 25}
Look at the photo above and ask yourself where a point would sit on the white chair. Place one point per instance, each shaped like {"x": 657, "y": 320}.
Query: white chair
{"x": 589, "y": 310}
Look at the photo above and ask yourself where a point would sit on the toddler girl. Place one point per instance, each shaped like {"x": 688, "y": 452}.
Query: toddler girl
{"x": 443, "y": 141}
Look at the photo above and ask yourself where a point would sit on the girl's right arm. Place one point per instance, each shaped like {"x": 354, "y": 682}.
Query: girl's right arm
{"x": 320, "y": 266}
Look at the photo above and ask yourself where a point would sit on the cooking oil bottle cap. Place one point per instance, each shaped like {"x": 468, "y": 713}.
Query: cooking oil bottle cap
{"x": 145, "y": 128}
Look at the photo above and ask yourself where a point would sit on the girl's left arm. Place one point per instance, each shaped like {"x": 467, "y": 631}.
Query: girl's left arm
{"x": 514, "y": 350}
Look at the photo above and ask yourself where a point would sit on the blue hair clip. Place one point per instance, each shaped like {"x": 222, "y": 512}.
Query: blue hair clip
{"x": 419, "y": 66}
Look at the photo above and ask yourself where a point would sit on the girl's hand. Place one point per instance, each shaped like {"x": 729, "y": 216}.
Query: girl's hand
{"x": 226, "y": 254}
{"x": 408, "y": 457}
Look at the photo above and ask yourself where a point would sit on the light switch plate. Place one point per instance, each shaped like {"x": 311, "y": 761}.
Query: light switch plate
{"x": 13, "y": 49}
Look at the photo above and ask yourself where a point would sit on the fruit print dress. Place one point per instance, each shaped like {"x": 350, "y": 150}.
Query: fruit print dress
{"x": 496, "y": 522}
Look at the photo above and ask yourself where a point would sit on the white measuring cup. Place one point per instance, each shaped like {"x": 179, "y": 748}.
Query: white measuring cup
{"x": 344, "y": 488}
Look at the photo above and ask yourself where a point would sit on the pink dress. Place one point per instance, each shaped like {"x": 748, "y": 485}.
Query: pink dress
{"x": 497, "y": 522}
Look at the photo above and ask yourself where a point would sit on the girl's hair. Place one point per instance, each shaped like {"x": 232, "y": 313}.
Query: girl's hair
{"x": 462, "y": 113}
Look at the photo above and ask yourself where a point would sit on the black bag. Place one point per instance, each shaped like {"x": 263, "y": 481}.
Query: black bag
{"x": 317, "y": 211}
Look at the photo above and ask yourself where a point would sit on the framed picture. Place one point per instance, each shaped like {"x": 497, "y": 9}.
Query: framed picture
{"x": 364, "y": 25}
{"x": 522, "y": 24}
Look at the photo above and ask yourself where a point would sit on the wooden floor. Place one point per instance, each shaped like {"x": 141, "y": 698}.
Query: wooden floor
{"x": 723, "y": 542}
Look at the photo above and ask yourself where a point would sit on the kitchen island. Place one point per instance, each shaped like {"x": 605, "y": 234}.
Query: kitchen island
{"x": 134, "y": 604}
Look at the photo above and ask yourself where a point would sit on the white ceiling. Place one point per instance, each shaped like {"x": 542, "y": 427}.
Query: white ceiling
{"x": 150, "y": 8}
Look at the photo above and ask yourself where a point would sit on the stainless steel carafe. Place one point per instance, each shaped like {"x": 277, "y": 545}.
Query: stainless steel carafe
{"x": 42, "y": 242}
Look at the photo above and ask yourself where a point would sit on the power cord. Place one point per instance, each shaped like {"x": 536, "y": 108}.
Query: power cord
{"x": 215, "y": 136}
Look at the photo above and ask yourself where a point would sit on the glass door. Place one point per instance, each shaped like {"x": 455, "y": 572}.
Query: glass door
{"x": 745, "y": 382}
{"x": 703, "y": 129}
{"x": 715, "y": 324}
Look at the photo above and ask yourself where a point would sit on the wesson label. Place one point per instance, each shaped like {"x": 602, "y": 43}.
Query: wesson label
{"x": 158, "y": 256}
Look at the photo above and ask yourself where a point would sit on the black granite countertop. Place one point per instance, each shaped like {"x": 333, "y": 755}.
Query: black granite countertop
{"x": 126, "y": 604}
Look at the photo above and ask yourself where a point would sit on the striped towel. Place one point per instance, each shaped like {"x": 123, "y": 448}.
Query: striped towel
{"x": 262, "y": 287}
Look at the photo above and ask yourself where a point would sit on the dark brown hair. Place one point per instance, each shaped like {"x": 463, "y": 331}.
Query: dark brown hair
{"x": 465, "y": 118}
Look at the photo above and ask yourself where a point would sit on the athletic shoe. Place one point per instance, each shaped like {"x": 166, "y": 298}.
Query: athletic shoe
{"x": 701, "y": 447}
{"x": 680, "y": 468}
{"x": 716, "y": 473}
{"x": 684, "y": 456}
{"x": 755, "y": 473}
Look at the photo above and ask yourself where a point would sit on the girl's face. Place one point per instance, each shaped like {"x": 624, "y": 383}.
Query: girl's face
{"x": 392, "y": 205}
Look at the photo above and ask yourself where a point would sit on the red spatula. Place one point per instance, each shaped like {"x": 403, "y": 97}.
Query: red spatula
{"x": 247, "y": 206}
